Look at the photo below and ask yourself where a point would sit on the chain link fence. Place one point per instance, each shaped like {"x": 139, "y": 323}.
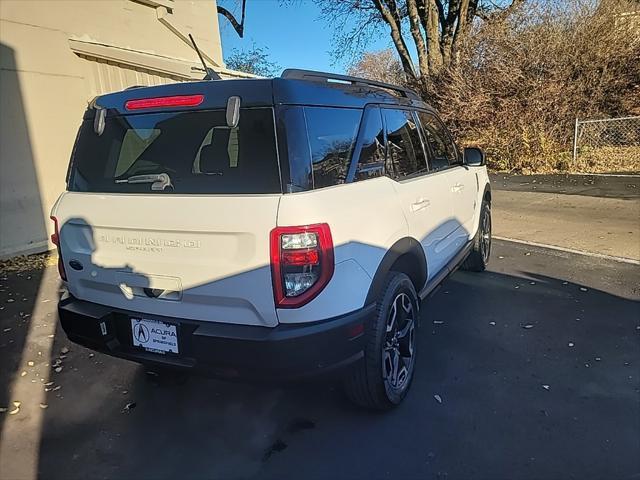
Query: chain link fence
{"x": 610, "y": 145}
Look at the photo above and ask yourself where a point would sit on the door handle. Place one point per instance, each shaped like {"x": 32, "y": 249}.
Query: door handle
{"x": 458, "y": 187}
{"x": 420, "y": 204}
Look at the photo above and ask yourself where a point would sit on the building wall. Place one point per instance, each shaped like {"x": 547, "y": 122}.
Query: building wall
{"x": 55, "y": 56}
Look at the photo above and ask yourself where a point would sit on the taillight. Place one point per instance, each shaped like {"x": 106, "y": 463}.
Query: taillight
{"x": 160, "y": 102}
{"x": 301, "y": 263}
{"x": 55, "y": 239}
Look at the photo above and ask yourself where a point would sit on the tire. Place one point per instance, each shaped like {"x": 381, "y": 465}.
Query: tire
{"x": 478, "y": 258}
{"x": 377, "y": 382}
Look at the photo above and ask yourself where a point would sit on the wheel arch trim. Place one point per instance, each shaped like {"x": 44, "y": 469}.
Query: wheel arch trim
{"x": 404, "y": 246}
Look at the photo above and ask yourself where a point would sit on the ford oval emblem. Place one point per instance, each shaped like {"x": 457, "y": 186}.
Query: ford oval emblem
{"x": 75, "y": 264}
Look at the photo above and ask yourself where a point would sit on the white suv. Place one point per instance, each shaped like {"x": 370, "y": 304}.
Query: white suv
{"x": 266, "y": 228}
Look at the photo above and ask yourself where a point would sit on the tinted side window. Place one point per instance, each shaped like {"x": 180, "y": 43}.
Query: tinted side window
{"x": 405, "y": 156}
{"x": 442, "y": 148}
{"x": 292, "y": 134}
{"x": 372, "y": 151}
{"x": 332, "y": 135}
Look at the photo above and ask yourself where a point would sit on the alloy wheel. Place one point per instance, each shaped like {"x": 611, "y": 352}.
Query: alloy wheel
{"x": 485, "y": 238}
{"x": 398, "y": 351}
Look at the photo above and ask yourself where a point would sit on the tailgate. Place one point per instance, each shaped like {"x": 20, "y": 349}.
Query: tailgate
{"x": 200, "y": 257}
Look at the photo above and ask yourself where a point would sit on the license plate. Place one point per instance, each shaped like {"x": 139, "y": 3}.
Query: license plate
{"x": 154, "y": 336}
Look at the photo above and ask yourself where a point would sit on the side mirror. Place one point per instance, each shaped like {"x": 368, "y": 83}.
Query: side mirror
{"x": 233, "y": 111}
{"x": 474, "y": 157}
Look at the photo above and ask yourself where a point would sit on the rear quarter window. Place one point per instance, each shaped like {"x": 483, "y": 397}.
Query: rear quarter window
{"x": 332, "y": 135}
{"x": 195, "y": 149}
{"x": 317, "y": 144}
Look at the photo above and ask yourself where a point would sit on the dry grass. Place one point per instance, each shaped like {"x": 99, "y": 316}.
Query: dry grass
{"x": 609, "y": 160}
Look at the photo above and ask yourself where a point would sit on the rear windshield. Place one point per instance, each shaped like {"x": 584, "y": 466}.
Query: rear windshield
{"x": 180, "y": 152}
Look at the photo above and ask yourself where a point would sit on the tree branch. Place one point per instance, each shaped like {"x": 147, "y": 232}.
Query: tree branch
{"x": 500, "y": 13}
{"x": 414, "y": 22}
{"x": 393, "y": 20}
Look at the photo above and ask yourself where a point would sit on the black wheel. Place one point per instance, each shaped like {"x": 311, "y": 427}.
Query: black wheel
{"x": 382, "y": 378}
{"x": 479, "y": 256}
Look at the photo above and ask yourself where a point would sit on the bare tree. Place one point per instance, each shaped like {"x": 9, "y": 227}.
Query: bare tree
{"x": 382, "y": 66}
{"x": 254, "y": 60}
{"x": 437, "y": 28}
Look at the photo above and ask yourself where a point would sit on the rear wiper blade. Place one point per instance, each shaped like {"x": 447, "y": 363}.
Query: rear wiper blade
{"x": 159, "y": 181}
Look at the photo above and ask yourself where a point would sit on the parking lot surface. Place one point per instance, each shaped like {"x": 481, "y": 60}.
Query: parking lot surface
{"x": 530, "y": 370}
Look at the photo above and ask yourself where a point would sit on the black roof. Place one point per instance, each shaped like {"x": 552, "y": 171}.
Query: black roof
{"x": 295, "y": 87}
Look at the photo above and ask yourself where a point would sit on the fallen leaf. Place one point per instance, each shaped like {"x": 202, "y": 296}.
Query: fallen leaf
{"x": 438, "y": 398}
{"x": 44, "y": 405}
{"x": 17, "y": 403}
{"x": 129, "y": 406}
{"x": 14, "y": 411}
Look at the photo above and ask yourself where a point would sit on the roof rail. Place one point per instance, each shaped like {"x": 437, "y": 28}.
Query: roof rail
{"x": 296, "y": 74}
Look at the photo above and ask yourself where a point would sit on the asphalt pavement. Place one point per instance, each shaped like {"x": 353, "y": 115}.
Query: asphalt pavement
{"x": 536, "y": 365}
{"x": 590, "y": 213}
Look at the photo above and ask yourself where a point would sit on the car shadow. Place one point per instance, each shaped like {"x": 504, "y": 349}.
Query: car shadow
{"x": 489, "y": 346}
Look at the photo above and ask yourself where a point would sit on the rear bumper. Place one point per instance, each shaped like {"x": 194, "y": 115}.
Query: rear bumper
{"x": 224, "y": 350}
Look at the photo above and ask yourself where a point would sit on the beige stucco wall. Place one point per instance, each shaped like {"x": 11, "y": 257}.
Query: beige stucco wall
{"x": 55, "y": 55}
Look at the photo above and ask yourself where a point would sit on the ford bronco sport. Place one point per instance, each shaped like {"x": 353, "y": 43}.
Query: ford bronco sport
{"x": 266, "y": 228}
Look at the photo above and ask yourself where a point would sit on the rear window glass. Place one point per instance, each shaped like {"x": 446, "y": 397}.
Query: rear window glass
{"x": 180, "y": 152}
{"x": 332, "y": 135}
{"x": 404, "y": 149}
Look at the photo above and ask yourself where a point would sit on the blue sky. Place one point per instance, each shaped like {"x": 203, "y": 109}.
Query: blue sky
{"x": 294, "y": 35}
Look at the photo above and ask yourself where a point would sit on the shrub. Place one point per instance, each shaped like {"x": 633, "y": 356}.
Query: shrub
{"x": 519, "y": 83}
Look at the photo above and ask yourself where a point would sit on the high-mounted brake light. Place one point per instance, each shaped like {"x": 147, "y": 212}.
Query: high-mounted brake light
{"x": 55, "y": 239}
{"x": 301, "y": 263}
{"x": 161, "y": 102}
